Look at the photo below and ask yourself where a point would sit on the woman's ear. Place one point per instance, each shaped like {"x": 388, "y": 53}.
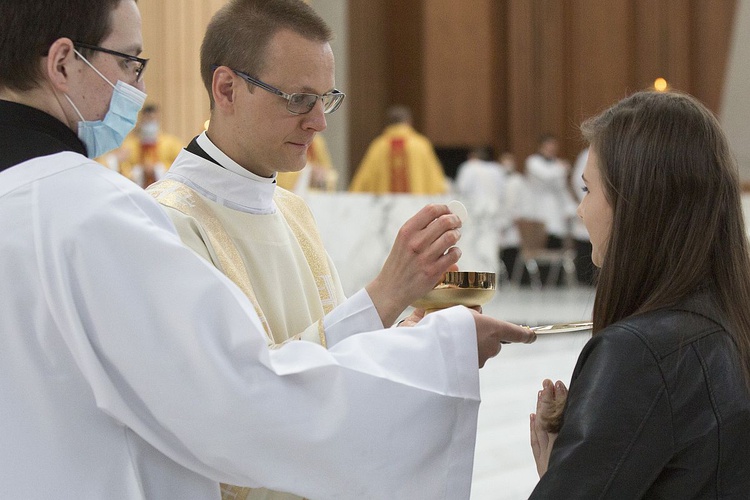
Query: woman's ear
{"x": 58, "y": 69}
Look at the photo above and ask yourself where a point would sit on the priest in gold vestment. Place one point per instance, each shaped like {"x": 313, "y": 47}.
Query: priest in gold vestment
{"x": 400, "y": 160}
{"x": 222, "y": 196}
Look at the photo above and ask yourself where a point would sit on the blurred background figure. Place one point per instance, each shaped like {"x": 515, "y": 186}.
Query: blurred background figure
{"x": 318, "y": 173}
{"x": 547, "y": 177}
{"x": 517, "y": 204}
{"x": 400, "y": 160}
{"x": 481, "y": 184}
{"x": 150, "y": 151}
{"x": 581, "y": 241}
{"x": 481, "y": 181}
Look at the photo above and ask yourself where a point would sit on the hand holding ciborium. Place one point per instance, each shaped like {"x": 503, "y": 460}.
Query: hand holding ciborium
{"x": 464, "y": 288}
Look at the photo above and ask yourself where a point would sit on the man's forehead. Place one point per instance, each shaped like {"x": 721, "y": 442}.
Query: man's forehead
{"x": 307, "y": 65}
{"x": 286, "y": 44}
{"x": 125, "y": 34}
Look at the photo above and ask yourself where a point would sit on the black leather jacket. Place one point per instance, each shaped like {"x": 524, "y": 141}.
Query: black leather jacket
{"x": 657, "y": 408}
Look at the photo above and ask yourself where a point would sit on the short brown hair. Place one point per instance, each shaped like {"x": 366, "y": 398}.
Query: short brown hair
{"x": 239, "y": 33}
{"x": 29, "y": 27}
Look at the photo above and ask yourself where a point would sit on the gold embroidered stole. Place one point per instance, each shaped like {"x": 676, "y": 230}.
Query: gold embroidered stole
{"x": 298, "y": 216}
{"x": 184, "y": 199}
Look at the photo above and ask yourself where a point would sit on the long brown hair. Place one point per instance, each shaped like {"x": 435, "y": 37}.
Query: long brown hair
{"x": 677, "y": 217}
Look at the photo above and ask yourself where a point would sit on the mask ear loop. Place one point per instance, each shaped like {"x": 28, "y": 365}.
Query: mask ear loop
{"x": 75, "y": 108}
{"x": 92, "y": 67}
{"x": 97, "y": 72}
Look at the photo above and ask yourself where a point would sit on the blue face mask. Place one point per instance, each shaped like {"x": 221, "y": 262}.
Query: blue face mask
{"x": 102, "y": 136}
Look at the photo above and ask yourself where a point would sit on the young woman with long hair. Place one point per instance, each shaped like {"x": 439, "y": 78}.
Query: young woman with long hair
{"x": 659, "y": 401}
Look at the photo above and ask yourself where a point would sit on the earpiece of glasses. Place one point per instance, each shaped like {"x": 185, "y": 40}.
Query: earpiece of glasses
{"x": 138, "y": 62}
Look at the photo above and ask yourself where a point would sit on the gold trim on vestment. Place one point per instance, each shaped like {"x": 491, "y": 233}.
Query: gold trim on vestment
{"x": 178, "y": 196}
{"x": 230, "y": 492}
{"x": 297, "y": 214}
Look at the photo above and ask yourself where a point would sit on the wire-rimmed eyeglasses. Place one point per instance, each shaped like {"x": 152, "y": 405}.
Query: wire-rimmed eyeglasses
{"x": 138, "y": 68}
{"x": 298, "y": 103}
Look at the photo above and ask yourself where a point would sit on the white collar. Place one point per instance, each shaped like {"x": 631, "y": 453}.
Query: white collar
{"x": 227, "y": 183}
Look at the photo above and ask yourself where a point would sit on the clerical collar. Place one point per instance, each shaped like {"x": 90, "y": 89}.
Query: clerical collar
{"x": 205, "y": 168}
{"x": 27, "y": 133}
{"x": 218, "y": 156}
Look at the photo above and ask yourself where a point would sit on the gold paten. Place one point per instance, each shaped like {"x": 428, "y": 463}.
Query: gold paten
{"x": 459, "y": 288}
{"x": 563, "y": 328}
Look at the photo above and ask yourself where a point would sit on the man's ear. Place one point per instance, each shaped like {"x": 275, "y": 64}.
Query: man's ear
{"x": 59, "y": 66}
{"x": 223, "y": 88}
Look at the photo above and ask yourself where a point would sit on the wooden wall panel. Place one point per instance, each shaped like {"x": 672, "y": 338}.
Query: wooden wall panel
{"x": 604, "y": 51}
{"x": 521, "y": 95}
{"x": 172, "y": 34}
{"x": 405, "y": 56}
{"x": 677, "y": 42}
{"x": 369, "y": 75}
{"x": 601, "y": 55}
{"x": 499, "y": 80}
{"x": 550, "y": 66}
{"x": 650, "y": 52}
{"x": 458, "y": 73}
{"x": 711, "y": 35}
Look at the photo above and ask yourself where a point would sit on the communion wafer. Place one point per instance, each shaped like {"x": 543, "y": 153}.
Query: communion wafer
{"x": 458, "y": 208}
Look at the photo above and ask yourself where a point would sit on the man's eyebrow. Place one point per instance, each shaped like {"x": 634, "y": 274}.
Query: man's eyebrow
{"x": 135, "y": 49}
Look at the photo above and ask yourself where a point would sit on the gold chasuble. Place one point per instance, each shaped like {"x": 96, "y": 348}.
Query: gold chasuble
{"x": 400, "y": 160}
{"x": 277, "y": 253}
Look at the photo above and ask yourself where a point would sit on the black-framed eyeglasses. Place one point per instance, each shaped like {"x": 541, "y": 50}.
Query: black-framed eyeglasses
{"x": 140, "y": 63}
{"x": 298, "y": 103}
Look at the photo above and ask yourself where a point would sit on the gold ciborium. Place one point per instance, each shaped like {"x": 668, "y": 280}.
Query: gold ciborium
{"x": 459, "y": 288}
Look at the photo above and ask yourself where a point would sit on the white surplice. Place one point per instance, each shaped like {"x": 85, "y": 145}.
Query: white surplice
{"x": 131, "y": 368}
{"x": 547, "y": 183}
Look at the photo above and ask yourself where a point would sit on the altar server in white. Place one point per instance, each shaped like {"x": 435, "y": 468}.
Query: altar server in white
{"x": 124, "y": 377}
{"x": 547, "y": 177}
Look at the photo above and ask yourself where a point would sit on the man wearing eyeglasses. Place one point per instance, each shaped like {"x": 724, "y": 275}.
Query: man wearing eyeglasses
{"x": 269, "y": 71}
{"x": 221, "y": 191}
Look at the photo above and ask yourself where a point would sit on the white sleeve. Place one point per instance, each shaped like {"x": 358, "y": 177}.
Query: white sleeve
{"x": 173, "y": 350}
{"x": 356, "y": 314}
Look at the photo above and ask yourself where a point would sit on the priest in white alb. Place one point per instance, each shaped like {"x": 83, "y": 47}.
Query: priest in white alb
{"x": 222, "y": 196}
